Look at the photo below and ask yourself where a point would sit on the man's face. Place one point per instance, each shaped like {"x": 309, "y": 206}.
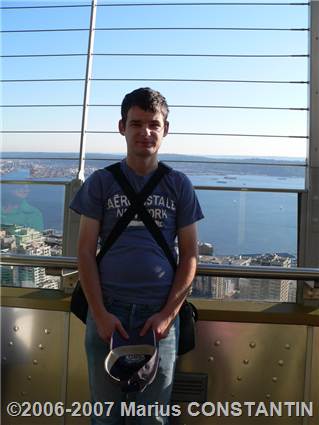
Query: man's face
{"x": 22, "y": 192}
{"x": 143, "y": 132}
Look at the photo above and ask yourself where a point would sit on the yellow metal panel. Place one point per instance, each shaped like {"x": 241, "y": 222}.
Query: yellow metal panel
{"x": 249, "y": 363}
{"x": 77, "y": 387}
{"x": 34, "y": 346}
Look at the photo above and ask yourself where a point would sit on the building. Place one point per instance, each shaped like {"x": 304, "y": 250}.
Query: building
{"x": 23, "y": 240}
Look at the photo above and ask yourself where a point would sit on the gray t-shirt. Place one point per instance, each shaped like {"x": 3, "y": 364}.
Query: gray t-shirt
{"x": 135, "y": 269}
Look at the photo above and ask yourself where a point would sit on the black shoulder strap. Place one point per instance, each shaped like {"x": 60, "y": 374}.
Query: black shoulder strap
{"x": 138, "y": 199}
{"x": 137, "y": 206}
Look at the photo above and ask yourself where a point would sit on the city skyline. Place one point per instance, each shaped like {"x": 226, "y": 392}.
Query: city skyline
{"x": 29, "y": 241}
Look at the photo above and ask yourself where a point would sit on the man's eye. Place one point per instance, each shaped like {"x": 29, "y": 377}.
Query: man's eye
{"x": 155, "y": 126}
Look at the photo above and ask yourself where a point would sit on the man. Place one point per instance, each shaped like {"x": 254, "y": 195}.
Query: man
{"x": 135, "y": 286}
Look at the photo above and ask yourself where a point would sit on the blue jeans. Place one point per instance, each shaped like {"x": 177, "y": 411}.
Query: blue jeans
{"x": 103, "y": 389}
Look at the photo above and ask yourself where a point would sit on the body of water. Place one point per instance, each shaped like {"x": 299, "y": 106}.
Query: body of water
{"x": 236, "y": 222}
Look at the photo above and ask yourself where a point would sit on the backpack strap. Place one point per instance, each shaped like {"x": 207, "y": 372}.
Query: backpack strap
{"x": 137, "y": 206}
{"x": 137, "y": 200}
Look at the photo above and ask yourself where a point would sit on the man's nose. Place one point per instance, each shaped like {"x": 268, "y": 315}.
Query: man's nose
{"x": 145, "y": 130}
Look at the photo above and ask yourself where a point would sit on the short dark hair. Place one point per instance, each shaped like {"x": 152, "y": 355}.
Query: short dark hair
{"x": 146, "y": 99}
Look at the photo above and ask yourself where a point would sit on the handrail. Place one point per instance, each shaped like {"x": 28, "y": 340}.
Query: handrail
{"x": 264, "y": 272}
{"x": 39, "y": 261}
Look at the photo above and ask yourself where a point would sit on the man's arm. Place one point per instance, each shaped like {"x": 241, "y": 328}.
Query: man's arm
{"x": 90, "y": 281}
{"x": 186, "y": 269}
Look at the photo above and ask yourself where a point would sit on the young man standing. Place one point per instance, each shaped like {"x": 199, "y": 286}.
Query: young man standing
{"x": 134, "y": 285}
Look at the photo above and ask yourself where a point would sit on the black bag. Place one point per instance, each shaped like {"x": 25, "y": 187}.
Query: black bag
{"x": 79, "y": 305}
{"x": 188, "y": 315}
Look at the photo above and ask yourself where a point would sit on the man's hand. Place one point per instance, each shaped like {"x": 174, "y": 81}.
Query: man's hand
{"x": 106, "y": 324}
{"x": 160, "y": 324}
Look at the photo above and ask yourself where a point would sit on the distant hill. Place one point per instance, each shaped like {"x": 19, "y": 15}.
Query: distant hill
{"x": 167, "y": 156}
{"x": 190, "y": 164}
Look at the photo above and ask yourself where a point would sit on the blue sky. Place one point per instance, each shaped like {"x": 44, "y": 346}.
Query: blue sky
{"x": 182, "y": 119}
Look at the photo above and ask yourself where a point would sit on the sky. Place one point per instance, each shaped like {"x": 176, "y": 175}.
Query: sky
{"x": 195, "y": 106}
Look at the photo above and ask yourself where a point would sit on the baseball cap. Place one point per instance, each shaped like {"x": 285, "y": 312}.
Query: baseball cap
{"x": 132, "y": 362}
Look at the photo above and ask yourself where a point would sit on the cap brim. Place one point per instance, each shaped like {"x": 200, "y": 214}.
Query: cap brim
{"x": 143, "y": 371}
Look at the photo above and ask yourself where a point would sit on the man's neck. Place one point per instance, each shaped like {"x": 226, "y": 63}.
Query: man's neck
{"x": 142, "y": 166}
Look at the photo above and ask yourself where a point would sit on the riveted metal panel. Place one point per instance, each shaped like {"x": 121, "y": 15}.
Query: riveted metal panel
{"x": 244, "y": 362}
{"x": 33, "y": 362}
{"x": 78, "y": 386}
{"x": 248, "y": 362}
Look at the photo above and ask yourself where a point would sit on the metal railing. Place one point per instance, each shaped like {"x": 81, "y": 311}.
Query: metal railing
{"x": 262, "y": 272}
{"x": 90, "y": 54}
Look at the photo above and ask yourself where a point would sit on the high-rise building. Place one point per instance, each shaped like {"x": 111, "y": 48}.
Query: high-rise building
{"x": 27, "y": 241}
{"x": 264, "y": 289}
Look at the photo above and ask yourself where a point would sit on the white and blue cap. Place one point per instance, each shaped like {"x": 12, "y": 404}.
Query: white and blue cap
{"x": 133, "y": 362}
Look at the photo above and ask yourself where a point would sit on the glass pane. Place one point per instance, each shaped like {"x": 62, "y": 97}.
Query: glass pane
{"x": 31, "y": 224}
{"x": 231, "y": 289}
{"x": 247, "y": 229}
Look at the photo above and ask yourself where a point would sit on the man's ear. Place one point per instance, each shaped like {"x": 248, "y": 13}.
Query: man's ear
{"x": 121, "y": 127}
{"x": 166, "y": 128}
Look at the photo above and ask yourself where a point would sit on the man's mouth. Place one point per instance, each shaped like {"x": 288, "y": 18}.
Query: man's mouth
{"x": 147, "y": 144}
